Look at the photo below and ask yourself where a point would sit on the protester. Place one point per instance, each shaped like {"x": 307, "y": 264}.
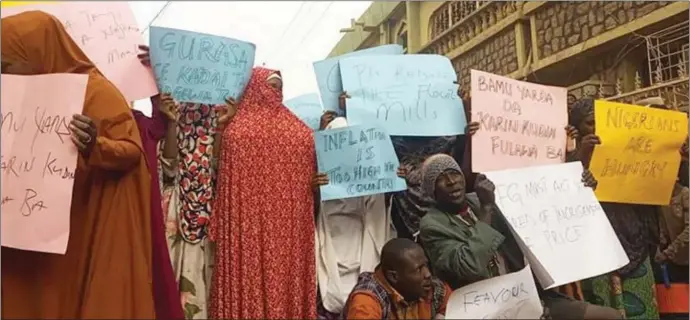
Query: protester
{"x": 186, "y": 161}
{"x": 637, "y": 229}
{"x": 165, "y": 290}
{"x": 462, "y": 238}
{"x": 106, "y": 271}
{"x": 671, "y": 259}
{"x": 350, "y": 235}
{"x": 572, "y": 290}
{"x": 410, "y": 205}
{"x": 263, "y": 223}
{"x": 401, "y": 287}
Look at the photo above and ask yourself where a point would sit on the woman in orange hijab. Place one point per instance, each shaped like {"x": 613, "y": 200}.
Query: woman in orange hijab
{"x": 106, "y": 272}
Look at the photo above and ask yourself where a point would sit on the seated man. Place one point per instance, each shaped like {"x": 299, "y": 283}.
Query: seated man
{"x": 401, "y": 287}
{"x": 468, "y": 240}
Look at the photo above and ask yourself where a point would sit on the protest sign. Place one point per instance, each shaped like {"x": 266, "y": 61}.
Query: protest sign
{"x": 38, "y": 159}
{"x": 108, "y": 34}
{"x": 328, "y": 73}
{"x": 559, "y": 223}
{"x": 406, "y": 95}
{"x": 522, "y": 124}
{"x": 307, "y": 108}
{"x": 510, "y": 296}
{"x": 359, "y": 161}
{"x": 638, "y": 158}
{"x": 200, "y": 68}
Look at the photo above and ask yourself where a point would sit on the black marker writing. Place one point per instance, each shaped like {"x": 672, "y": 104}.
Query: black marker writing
{"x": 31, "y": 203}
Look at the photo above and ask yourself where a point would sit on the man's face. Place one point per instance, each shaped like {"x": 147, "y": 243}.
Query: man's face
{"x": 412, "y": 278}
{"x": 450, "y": 188}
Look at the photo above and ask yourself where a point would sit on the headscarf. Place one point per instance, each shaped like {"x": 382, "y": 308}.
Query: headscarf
{"x": 258, "y": 94}
{"x": 580, "y": 110}
{"x": 275, "y": 75}
{"x": 109, "y": 216}
{"x": 46, "y": 49}
{"x": 432, "y": 168}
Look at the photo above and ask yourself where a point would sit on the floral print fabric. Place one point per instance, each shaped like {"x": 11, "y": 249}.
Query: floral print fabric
{"x": 263, "y": 219}
{"x": 196, "y": 129}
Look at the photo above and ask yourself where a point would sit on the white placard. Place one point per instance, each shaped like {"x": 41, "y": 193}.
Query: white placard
{"x": 510, "y": 296}
{"x": 560, "y": 225}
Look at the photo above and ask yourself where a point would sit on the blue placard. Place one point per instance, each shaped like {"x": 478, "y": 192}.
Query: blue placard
{"x": 406, "y": 95}
{"x": 200, "y": 68}
{"x": 328, "y": 73}
{"x": 359, "y": 161}
{"x": 307, "y": 107}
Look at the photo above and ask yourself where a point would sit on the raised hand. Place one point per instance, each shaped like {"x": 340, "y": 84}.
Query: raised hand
{"x": 342, "y": 100}
{"x": 326, "y": 118}
{"x": 168, "y": 107}
{"x": 319, "y": 179}
{"x": 83, "y": 133}
{"x": 472, "y": 128}
{"x": 144, "y": 56}
{"x": 228, "y": 112}
{"x": 589, "y": 180}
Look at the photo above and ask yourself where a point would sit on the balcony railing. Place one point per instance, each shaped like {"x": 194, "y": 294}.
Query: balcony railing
{"x": 457, "y": 22}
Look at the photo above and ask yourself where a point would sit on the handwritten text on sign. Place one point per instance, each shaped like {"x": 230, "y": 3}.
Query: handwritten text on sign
{"x": 108, "y": 34}
{"x": 407, "y": 95}
{"x": 359, "y": 161}
{"x": 200, "y": 68}
{"x": 328, "y": 76}
{"x": 522, "y": 124}
{"x": 638, "y": 159}
{"x": 307, "y": 108}
{"x": 38, "y": 159}
{"x": 560, "y": 222}
{"x": 510, "y": 296}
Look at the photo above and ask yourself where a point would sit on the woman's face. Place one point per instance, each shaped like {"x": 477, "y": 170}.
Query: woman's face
{"x": 586, "y": 126}
{"x": 16, "y": 68}
{"x": 276, "y": 83}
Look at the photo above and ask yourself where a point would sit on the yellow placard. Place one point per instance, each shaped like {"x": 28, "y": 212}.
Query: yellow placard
{"x": 638, "y": 159}
{"x": 9, "y": 4}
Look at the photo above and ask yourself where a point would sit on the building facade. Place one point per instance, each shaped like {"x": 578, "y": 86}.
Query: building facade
{"x": 616, "y": 50}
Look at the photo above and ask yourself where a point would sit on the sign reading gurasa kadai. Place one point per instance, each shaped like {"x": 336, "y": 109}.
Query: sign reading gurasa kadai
{"x": 638, "y": 158}
{"x": 38, "y": 159}
{"x": 522, "y": 124}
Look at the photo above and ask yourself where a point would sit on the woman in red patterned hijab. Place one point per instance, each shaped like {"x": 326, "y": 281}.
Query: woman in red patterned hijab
{"x": 263, "y": 215}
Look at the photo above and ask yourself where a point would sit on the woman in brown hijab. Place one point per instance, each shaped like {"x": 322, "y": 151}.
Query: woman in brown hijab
{"x": 106, "y": 270}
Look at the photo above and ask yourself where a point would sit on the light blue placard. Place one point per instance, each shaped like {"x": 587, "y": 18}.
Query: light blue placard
{"x": 307, "y": 107}
{"x": 406, "y": 95}
{"x": 359, "y": 161}
{"x": 200, "y": 68}
{"x": 328, "y": 73}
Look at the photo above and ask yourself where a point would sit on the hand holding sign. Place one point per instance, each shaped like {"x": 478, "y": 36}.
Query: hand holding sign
{"x": 83, "y": 133}
{"x": 145, "y": 55}
{"x": 39, "y": 161}
{"x": 558, "y": 222}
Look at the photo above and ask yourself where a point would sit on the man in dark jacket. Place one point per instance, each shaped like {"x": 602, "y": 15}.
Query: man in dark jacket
{"x": 468, "y": 240}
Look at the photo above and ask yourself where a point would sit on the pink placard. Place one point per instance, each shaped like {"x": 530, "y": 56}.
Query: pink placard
{"x": 38, "y": 159}
{"x": 109, "y": 35}
{"x": 522, "y": 124}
